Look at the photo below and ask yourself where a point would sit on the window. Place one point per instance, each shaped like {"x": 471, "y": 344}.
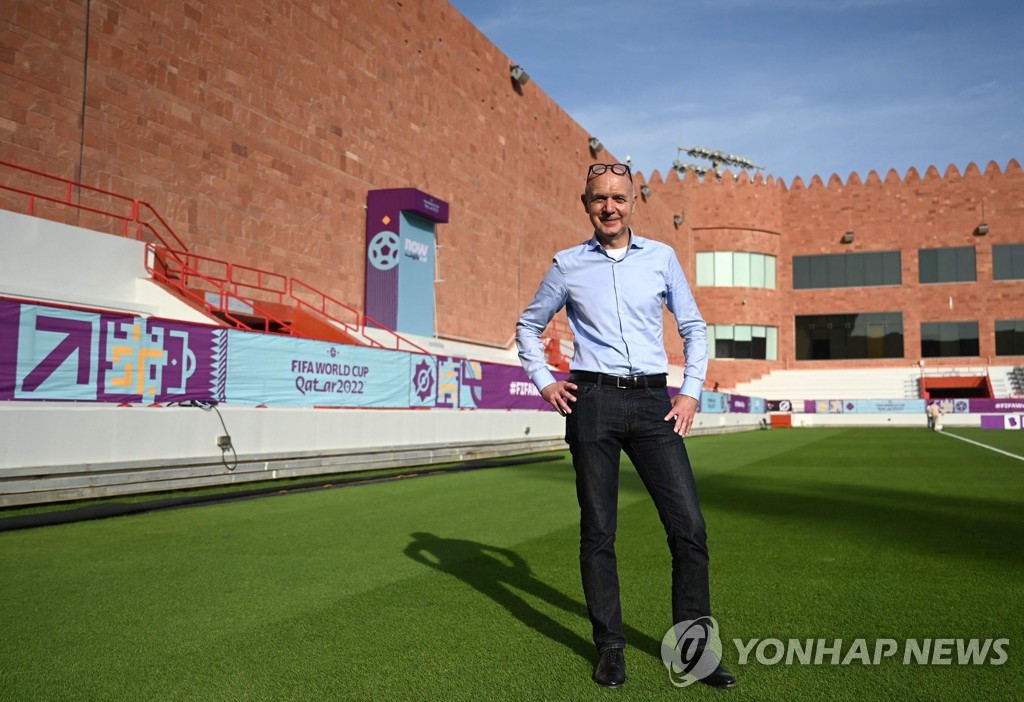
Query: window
{"x": 735, "y": 269}
{"x": 845, "y": 336}
{"x": 1010, "y": 337}
{"x": 723, "y": 269}
{"x": 848, "y": 270}
{"x": 741, "y": 270}
{"x": 941, "y": 339}
{"x": 743, "y": 341}
{"x": 952, "y": 265}
{"x": 1008, "y": 262}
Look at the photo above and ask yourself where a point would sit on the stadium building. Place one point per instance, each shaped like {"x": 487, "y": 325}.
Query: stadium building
{"x": 289, "y": 142}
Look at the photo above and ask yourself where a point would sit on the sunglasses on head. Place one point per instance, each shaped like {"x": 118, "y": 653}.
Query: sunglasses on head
{"x": 620, "y": 169}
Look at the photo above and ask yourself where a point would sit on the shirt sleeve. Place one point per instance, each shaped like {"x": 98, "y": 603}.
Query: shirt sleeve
{"x": 692, "y": 328}
{"x": 550, "y": 298}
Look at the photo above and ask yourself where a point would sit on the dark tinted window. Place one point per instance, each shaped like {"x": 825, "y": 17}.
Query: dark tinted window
{"x": 1010, "y": 337}
{"x": 1008, "y": 262}
{"x": 842, "y": 336}
{"x": 847, "y": 270}
{"x": 939, "y": 339}
{"x": 952, "y": 265}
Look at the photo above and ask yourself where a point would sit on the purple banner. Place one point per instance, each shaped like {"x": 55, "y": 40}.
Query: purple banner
{"x": 987, "y": 405}
{"x": 1002, "y": 421}
{"x": 992, "y": 421}
{"x": 9, "y": 315}
{"x": 739, "y": 403}
{"x": 508, "y": 387}
{"x": 56, "y": 353}
{"x": 383, "y": 245}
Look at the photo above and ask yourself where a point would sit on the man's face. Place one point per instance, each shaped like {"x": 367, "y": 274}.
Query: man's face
{"x": 609, "y": 201}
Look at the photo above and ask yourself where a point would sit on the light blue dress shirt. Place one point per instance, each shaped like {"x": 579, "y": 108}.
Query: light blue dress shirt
{"x": 615, "y": 313}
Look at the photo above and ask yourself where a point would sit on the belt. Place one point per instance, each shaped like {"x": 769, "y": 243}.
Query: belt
{"x": 620, "y": 381}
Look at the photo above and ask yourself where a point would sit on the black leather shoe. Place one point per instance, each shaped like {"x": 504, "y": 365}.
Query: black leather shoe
{"x": 720, "y": 678}
{"x": 611, "y": 669}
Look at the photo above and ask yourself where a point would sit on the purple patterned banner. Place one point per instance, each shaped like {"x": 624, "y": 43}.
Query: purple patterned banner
{"x": 444, "y": 382}
{"x": 55, "y": 353}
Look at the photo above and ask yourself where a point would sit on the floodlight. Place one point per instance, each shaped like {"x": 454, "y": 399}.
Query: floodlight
{"x": 519, "y": 75}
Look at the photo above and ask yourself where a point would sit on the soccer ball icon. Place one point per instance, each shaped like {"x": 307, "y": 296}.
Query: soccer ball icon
{"x": 383, "y": 251}
{"x": 423, "y": 381}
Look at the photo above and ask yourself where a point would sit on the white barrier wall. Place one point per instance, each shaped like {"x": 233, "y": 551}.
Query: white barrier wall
{"x": 47, "y": 260}
{"x": 65, "y": 451}
{"x": 882, "y": 420}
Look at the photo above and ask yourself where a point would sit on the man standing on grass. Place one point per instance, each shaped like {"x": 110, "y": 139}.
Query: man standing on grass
{"x": 613, "y": 288}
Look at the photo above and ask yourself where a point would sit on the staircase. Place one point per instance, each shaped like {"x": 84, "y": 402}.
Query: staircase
{"x": 558, "y": 344}
{"x": 258, "y": 300}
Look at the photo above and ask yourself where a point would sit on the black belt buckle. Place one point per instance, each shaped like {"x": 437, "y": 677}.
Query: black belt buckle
{"x": 626, "y": 381}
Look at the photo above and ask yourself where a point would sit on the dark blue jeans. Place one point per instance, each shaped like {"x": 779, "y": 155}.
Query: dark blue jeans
{"x": 604, "y": 422}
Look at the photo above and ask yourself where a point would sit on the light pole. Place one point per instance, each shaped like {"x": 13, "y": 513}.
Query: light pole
{"x": 717, "y": 159}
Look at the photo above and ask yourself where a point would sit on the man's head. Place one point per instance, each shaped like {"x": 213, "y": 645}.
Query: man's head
{"x": 609, "y": 200}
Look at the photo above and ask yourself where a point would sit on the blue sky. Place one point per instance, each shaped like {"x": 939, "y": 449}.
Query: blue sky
{"x": 803, "y": 87}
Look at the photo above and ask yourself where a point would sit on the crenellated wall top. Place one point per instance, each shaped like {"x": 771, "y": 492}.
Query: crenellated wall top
{"x": 892, "y": 177}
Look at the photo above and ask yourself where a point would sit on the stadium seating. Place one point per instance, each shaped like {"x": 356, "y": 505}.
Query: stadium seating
{"x": 872, "y": 383}
{"x": 832, "y": 383}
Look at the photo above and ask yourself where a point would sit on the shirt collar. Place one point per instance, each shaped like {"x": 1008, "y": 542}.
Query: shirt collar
{"x": 635, "y": 241}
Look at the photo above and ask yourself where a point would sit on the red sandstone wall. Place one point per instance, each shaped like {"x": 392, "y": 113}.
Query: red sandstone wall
{"x": 257, "y": 128}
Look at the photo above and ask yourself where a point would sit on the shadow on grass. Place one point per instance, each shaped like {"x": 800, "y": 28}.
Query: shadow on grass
{"x": 501, "y": 574}
{"x": 973, "y": 528}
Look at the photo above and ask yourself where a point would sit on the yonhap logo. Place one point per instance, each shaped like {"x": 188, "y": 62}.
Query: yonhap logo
{"x": 691, "y": 650}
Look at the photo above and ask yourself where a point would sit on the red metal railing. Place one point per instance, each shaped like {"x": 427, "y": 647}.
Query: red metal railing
{"x": 231, "y": 278}
{"x": 301, "y": 293}
{"x": 556, "y": 332}
{"x": 176, "y": 270}
{"x": 137, "y": 218}
{"x": 195, "y": 276}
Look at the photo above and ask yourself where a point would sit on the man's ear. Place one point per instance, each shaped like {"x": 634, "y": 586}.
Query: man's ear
{"x": 583, "y": 199}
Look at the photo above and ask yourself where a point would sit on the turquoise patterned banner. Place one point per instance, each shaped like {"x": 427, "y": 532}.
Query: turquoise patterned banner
{"x": 283, "y": 370}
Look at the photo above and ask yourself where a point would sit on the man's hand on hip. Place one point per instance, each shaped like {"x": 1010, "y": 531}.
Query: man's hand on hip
{"x": 683, "y": 409}
{"x": 558, "y": 396}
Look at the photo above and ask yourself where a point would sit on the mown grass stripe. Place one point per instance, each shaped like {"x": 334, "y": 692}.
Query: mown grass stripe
{"x": 984, "y": 446}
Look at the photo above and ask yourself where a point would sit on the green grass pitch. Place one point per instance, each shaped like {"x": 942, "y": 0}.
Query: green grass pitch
{"x": 466, "y": 586}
